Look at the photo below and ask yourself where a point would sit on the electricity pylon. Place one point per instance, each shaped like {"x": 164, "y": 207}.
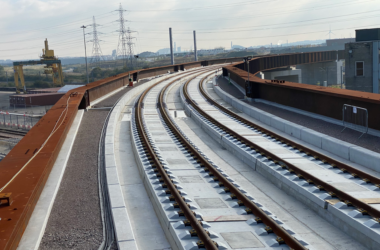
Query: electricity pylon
{"x": 125, "y": 46}
{"x": 96, "y": 50}
{"x": 130, "y": 44}
{"x": 121, "y": 48}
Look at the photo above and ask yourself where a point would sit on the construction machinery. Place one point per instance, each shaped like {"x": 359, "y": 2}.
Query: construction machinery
{"x": 53, "y": 67}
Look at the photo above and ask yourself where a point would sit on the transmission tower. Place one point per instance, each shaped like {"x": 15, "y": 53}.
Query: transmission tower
{"x": 121, "y": 48}
{"x": 125, "y": 45}
{"x": 130, "y": 44}
{"x": 96, "y": 50}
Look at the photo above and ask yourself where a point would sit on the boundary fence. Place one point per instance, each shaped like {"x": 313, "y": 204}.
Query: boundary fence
{"x": 20, "y": 121}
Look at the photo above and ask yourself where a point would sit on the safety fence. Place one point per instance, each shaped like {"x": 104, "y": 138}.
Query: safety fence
{"x": 19, "y": 121}
{"x": 355, "y": 118}
{"x": 30, "y": 109}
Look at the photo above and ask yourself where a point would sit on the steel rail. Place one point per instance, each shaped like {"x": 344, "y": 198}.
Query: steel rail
{"x": 165, "y": 178}
{"x": 282, "y": 235}
{"x": 363, "y": 207}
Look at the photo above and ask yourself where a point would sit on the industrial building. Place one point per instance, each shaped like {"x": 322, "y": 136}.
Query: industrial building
{"x": 40, "y": 97}
{"x": 323, "y": 74}
{"x": 362, "y": 61}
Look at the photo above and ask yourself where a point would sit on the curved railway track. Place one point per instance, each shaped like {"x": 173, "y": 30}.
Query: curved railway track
{"x": 361, "y": 206}
{"x": 283, "y": 237}
{"x": 157, "y": 165}
{"x": 165, "y": 179}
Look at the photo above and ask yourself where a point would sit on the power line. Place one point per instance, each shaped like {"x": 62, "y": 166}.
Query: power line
{"x": 208, "y": 7}
{"x": 55, "y": 26}
{"x": 280, "y": 12}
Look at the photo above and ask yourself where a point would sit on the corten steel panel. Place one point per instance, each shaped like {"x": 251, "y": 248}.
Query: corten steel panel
{"x": 42, "y": 99}
{"x": 99, "y": 91}
{"x": 27, "y": 186}
{"x": 320, "y": 100}
{"x": 192, "y": 65}
{"x": 221, "y": 61}
{"x": 155, "y": 71}
{"x": 36, "y": 99}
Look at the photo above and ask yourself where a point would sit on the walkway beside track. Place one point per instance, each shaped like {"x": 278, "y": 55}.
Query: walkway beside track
{"x": 366, "y": 141}
{"x": 75, "y": 221}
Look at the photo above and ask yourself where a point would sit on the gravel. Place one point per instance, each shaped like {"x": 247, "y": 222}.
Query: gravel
{"x": 75, "y": 219}
{"x": 348, "y": 135}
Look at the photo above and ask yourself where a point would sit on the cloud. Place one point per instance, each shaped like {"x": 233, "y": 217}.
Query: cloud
{"x": 24, "y": 24}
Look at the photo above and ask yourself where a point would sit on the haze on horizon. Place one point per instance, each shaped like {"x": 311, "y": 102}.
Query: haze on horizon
{"x": 24, "y": 24}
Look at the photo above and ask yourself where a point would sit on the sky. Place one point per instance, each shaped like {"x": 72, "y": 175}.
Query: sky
{"x": 24, "y": 24}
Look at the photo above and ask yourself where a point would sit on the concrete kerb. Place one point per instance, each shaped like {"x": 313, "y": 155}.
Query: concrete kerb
{"x": 353, "y": 153}
{"x": 365, "y": 157}
{"x": 123, "y": 228}
{"x": 153, "y": 197}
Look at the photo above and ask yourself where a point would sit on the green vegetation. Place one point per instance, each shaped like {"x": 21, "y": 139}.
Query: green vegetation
{"x": 41, "y": 84}
{"x": 35, "y": 78}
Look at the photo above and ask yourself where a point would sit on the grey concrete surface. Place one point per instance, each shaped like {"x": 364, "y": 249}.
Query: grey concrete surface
{"x": 131, "y": 233}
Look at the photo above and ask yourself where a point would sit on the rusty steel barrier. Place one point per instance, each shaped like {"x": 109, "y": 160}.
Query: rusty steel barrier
{"x": 355, "y": 118}
{"x": 311, "y": 98}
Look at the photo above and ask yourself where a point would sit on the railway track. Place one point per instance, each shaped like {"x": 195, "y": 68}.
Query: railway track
{"x": 153, "y": 159}
{"x": 321, "y": 188}
{"x": 13, "y": 132}
{"x": 189, "y": 220}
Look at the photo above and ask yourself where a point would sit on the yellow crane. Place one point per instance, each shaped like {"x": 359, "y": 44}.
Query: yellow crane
{"x": 53, "y": 67}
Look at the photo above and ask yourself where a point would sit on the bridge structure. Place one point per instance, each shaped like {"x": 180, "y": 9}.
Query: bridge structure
{"x": 189, "y": 194}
